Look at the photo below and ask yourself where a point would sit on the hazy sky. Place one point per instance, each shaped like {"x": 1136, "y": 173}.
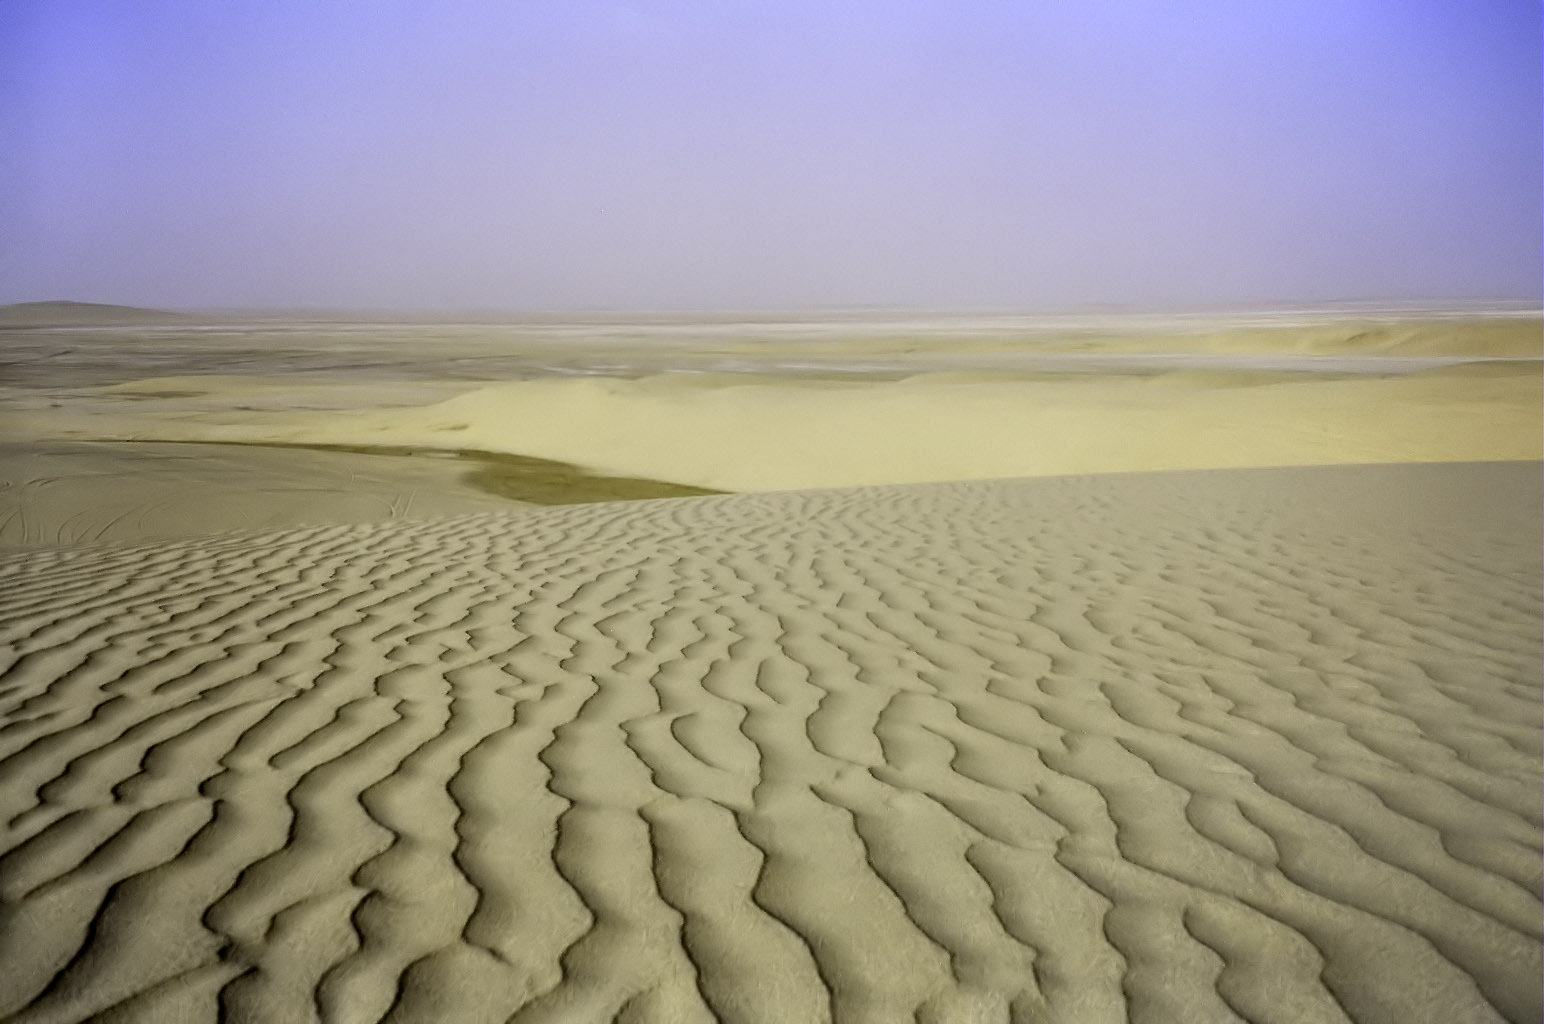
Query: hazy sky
{"x": 734, "y": 153}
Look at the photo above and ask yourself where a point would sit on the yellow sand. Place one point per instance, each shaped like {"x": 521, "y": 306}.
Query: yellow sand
{"x": 951, "y": 426}
{"x": 1258, "y": 745}
{"x": 782, "y": 428}
{"x": 726, "y": 434}
{"x": 1494, "y": 336}
{"x": 63, "y": 494}
{"x": 1251, "y": 744}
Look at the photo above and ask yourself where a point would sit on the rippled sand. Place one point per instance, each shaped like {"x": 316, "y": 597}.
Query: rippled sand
{"x": 1208, "y": 746}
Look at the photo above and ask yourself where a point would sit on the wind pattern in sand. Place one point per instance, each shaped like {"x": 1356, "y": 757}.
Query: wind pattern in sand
{"x": 962, "y": 752}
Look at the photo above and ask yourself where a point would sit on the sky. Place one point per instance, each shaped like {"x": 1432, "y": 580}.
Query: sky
{"x": 732, "y": 154}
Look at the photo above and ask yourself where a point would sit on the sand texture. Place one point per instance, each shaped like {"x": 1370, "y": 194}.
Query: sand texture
{"x": 767, "y": 432}
{"x": 60, "y": 494}
{"x": 764, "y": 435}
{"x": 68, "y": 493}
{"x": 770, "y": 428}
{"x": 139, "y": 432}
{"x": 1254, "y": 745}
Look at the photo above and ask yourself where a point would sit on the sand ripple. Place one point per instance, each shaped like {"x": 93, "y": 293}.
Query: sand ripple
{"x": 1255, "y": 746}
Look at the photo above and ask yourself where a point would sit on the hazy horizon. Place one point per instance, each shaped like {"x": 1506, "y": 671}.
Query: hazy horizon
{"x": 834, "y": 322}
{"x": 1500, "y": 305}
{"x": 617, "y": 157}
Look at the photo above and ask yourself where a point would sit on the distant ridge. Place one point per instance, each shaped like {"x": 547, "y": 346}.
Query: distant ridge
{"x": 81, "y": 314}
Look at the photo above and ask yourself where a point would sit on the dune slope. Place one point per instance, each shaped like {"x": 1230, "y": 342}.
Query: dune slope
{"x": 749, "y": 434}
{"x": 1257, "y": 745}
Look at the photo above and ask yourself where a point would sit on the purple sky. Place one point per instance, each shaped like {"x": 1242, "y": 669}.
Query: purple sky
{"x": 536, "y": 154}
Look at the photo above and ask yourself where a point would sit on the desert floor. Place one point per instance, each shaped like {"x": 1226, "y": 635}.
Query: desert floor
{"x": 322, "y": 696}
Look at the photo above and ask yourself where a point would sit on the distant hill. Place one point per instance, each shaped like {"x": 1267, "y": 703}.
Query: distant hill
{"x": 82, "y": 314}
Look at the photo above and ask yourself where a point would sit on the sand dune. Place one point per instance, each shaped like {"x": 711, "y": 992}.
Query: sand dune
{"x": 66, "y": 493}
{"x": 789, "y": 404}
{"x": 1471, "y": 336}
{"x": 1248, "y": 745}
{"x": 753, "y": 434}
{"x": 745, "y": 433}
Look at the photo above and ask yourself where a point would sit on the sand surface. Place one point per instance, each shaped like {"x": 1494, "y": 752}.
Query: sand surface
{"x": 68, "y": 493}
{"x": 754, "y": 432}
{"x": 744, "y": 436}
{"x": 1252, "y": 745}
{"x": 313, "y": 707}
{"x": 776, "y": 405}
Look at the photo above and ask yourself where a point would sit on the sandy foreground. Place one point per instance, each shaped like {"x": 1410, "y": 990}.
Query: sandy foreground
{"x": 1256, "y": 745}
{"x": 1213, "y": 744}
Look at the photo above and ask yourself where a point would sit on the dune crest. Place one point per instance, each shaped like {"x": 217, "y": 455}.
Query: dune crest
{"x": 1253, "y": 745}
{"x": 783, "y": 435}
{"x": 770, "y": 404}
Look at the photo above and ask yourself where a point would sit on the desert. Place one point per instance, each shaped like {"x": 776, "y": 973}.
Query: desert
{"x": 843, "y": 667}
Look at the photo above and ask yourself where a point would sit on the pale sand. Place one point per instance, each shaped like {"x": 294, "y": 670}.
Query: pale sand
{"x": 775, "y": 432}
{"x": 65, "y": 494}
{"x": 818, "y": 403}
{"x": 1255, "y": 745}
{"x": 1258, "y": 744}
{"x": 734, "y": 436}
